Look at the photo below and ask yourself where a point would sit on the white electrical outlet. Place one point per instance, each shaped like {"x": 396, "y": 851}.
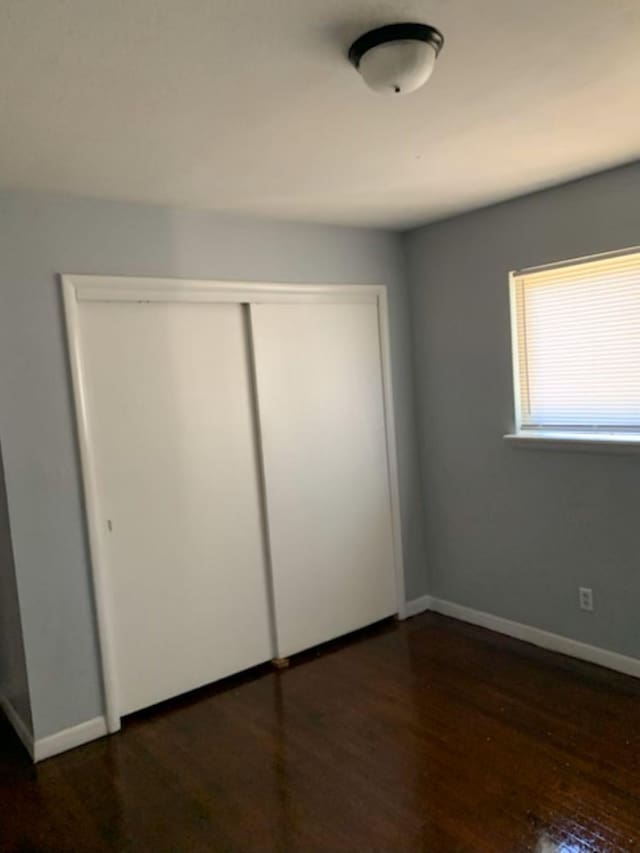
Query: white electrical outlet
{"x": 585, "y": 596}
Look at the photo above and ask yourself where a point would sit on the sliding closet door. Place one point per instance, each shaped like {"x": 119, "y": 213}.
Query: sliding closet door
{"x": 172, "y": 429}
{"x": 319, "y": 382}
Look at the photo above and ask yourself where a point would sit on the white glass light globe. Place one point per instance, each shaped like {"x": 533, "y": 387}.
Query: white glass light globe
{"x": 398, "y": 67}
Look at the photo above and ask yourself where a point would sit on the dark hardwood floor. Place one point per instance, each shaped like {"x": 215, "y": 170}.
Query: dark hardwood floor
{"x": 425, "y": 736}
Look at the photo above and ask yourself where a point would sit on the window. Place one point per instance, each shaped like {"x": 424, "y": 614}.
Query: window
{"x": 576, "y": 348}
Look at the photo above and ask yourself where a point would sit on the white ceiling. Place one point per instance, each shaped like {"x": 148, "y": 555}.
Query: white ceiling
{"x": 251, "y": 106}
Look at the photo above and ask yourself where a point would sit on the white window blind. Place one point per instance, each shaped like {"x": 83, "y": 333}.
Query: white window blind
{"x": 576, "y": 350}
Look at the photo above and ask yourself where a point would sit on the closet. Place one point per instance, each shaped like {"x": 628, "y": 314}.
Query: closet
{"x": 238, "y": 462}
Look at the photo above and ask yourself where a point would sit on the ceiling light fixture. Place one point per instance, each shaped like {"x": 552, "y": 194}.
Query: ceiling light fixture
{"x": 396, "y": 59}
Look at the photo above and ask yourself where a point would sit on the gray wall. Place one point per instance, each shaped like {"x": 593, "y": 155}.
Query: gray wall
{"x": 43, "y": 235}
{"x": 515, "y": 532}
{"x": 14, "y": 686}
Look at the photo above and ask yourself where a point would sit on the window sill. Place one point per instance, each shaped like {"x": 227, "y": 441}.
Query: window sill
{"x": 576, "y": 441}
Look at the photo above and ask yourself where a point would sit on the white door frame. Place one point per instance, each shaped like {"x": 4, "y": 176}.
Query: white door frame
{"x": 95, "y": 288}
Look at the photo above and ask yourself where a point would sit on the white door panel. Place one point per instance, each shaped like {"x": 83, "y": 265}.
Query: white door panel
{"x": 171, "y": 422}
{"x": 319, "y": 383}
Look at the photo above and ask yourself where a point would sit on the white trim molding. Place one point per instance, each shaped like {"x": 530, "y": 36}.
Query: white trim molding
{"x": 529, "y": 634}
{"x": 581, "y": 442}
{"x": 391, "y": 442}
{"x": 418, "y": 605}
{"x": 19, "y": 725}
{"x": 110, "y": 288}
{"x": 54, "y": 744}
{"x": 47, "y": 747}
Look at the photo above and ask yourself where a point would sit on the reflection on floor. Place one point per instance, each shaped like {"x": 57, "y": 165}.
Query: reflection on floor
{"x": 425, "y": 736}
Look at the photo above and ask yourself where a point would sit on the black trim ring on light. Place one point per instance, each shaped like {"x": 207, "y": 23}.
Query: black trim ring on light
{"x": 395, "y": 32}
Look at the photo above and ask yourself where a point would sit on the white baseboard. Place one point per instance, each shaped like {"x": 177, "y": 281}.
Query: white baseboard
{"x": 47, "y": 747}
{"x": 21, "y": 728}
{"x": 418, "y": 605}
{"x": 536, "y": 636}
